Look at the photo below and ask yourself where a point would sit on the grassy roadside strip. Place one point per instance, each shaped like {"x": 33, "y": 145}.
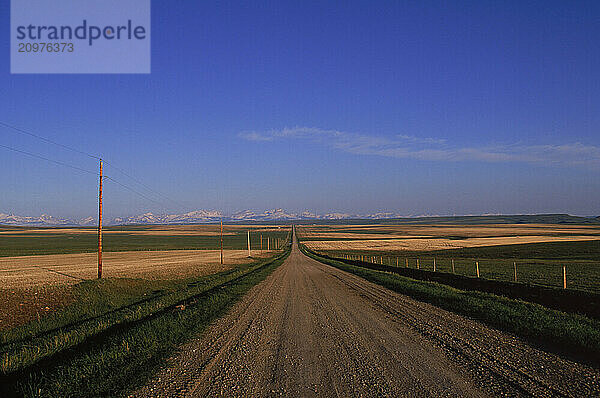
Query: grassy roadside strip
{"x": 574, "y": 301}
{"x": 113, "y": 354}
{"x": 568, "y": 334}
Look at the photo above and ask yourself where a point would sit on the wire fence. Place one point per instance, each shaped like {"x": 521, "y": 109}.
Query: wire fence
{"x": 574, "y": 274}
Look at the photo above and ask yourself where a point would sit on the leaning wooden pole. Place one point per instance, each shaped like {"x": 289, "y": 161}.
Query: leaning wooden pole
{"x": 100, "y": 225}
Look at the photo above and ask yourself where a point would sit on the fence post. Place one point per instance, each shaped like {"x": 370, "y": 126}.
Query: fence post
{"x": 417, "y": 263}
{"x": 477, "y": 267}
{"x": 515, "y": 267}
{"x": 453, "y": 266}
{"x": 406, "y": 262}
{"x": 434, "y": 264}
{"x": 564, "y": 276}
{"x": 249, "y": 244}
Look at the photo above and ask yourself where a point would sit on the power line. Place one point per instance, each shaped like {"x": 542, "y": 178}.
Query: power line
{"x": 48, "y": 160}
{"x": 134, "y": 191}
{"x": 142, "y": 184}
{"x": 20, "y": 130}
{"x": 82, "y": 170}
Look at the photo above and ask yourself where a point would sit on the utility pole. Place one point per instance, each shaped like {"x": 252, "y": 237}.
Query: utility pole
{"x": 100, "y": 225}
{"x": 249, "y": 244}
{"x": 221, "y": 241}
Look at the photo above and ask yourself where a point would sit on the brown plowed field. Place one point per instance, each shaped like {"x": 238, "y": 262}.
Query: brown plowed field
{"x": 57, "y": 269}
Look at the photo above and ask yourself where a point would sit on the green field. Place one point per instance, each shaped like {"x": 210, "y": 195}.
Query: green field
{"x": 537, "y": 263}
{"x": 19, "y": 243}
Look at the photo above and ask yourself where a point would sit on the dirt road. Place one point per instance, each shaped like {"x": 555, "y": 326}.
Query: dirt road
{"x": 313, "y": 330}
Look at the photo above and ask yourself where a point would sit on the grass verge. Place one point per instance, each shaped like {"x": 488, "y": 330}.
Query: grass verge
{"x": 536, "y": 263}
{"x": 112, "y": 352}
{"x": 571, "y": 335}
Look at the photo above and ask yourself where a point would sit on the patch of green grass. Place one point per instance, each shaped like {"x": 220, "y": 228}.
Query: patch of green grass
{"x": 570, "y": 334}
{"x": 107, "y": 350}
{"x": 90, "y": 299}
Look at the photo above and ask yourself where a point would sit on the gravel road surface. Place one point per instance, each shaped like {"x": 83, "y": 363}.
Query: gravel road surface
{"x": 312, "y": 330}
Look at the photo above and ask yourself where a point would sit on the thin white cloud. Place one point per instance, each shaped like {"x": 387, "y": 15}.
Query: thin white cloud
{"x": 435, "y": 149}
{"x": 256, "y": 137}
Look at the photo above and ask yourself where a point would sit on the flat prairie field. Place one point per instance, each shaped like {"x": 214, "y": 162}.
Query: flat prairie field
{"x": 41, "y": 268}
{"x": 45, "y": 270}
{"x": 26, "y": 241}
{"x": 61, "y": 269}
{"x": 427, "y": 244}
{"x": 530, "y": 253}
{"x": 445, "y": 231}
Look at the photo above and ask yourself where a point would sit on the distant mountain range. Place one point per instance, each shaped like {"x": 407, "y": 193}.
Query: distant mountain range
{"x": 275, "y": 215}
{"x": 192, "y": 217}
{"x": 43, "y": 220}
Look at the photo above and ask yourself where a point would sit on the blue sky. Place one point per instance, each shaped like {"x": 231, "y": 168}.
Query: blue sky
{"x": 411, "y": 107}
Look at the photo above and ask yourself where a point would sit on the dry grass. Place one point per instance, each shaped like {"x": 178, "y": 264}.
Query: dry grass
{"x": 439, "y": 237}
{"x": 422, "y": 231}
{"x": 358, "y": 235}
{"x": 436, "y": 243}
{"x": 60, "y": 269}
